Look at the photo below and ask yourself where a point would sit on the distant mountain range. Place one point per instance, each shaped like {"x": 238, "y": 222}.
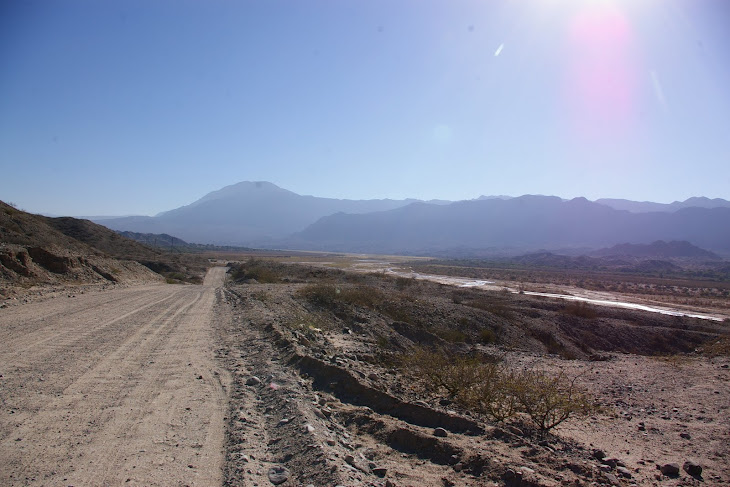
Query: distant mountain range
{"x": 523, "y": 223}
{"x": 245, "y": 213}
{"x": 648, "y": 206}
{"x": 262, "y": 214}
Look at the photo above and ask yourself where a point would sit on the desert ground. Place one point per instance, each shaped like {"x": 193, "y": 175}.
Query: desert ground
{"x": 302, "y": 374}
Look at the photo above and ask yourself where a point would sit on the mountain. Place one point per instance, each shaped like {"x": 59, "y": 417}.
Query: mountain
{"x": 247, "y": 213}
{"x": 261, "y": 214}
{"x": 660, "y": 248}
{"x": 527, "y": 222}
{"x": 648, "y": 206}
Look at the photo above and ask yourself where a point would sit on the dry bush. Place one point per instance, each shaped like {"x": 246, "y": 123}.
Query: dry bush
{"x": 330, "y": 296}
{"x": 403, "y": 282}
{"x": 548, "y": 399}
{"x": 552, "y": 345}
{"x": 497, "y": 306}
{"x": 259, "y": 270}
{"x": 718, "y": 348}
{"x": 327, "y": 295}
{"x": 492, "y": 390}
{"x": 451, "y": 335}
{"x": 437, "y": 371}
{"x": 492, "y": 397}
{"x": 487, "y": 336}
{"x": 580, "y": 309}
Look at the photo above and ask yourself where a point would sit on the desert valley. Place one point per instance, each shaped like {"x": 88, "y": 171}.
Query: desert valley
{"x": 132, "y": 357}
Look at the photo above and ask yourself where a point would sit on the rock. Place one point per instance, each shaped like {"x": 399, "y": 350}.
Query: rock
{"x": 253, "y": 381}
{"x": 308, "y": 428}
{"x": 440, "y": 432}
{"x": 512, "y": 476}
{"x": 350, "y": 459}
{"x": 624, "y": 472}
{"x": 380, "y": 471}
{"x": 388, "y": 483}
{"x": 612, "y": 479}
{"x": 686, "y": 436}
{"x": 692, "y": 468}
{"x": 319, "y": 414}
{"x": 278, "y": 474}
{"x": 598, "y": 454}
{"x": 670, "y": 469}
{"x": 514, "y": 430}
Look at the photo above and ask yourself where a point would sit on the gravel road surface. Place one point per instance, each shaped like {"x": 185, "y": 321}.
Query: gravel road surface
{"x": 113, "y": 388}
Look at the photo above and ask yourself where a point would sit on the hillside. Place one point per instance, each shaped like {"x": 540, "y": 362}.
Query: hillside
{"x": 40, "y": 250}
{"x": 660, "y": 248}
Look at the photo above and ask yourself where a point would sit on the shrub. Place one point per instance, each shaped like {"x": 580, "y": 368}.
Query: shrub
{"x": 256, "y": 269}
{"x": 454, "y": 374}
{"x": 403, "y": 282}
{"x": 718, "y": 348}
{"x": 451, "y": 335}
{"x": 580, "y": 309}
{"x": 496, "y": 306}
{"x": 487, "y": 336}
{"x": 327, "y": 295}
{"x": 549, "y": 400}
{"x": 497, "y": 393}
{"x": 493, "y": 397}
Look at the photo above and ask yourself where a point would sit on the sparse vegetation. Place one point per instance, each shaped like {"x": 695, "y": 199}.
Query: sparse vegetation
{"x": 496, "y": 392}
{"x": 718, "y": 348}
{"x": 255, "y": 269}
{"x": 580, "y": 309}
{"x": 549, "y": 399}
{"x": 487, "y": 336}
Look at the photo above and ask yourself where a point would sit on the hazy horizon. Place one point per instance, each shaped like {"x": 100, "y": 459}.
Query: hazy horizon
{"x": 135, "y": 108}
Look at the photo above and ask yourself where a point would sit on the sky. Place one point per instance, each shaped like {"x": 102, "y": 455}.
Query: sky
{"x": 137, "y": 107}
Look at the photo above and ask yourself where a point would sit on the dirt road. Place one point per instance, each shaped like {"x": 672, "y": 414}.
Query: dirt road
{"x": 113, "y": 388}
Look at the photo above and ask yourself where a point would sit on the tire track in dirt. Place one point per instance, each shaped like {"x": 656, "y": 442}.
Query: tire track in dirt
{"x": 146, "y": 408}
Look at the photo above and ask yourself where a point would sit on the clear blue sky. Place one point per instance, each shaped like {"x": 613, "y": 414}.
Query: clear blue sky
{"x": 136, "y": 107}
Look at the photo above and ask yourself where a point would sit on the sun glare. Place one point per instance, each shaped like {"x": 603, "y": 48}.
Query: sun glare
{"x": 602, "y": 75}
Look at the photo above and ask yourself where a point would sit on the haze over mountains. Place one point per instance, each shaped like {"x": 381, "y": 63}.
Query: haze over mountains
{"x": 265, "y": 215}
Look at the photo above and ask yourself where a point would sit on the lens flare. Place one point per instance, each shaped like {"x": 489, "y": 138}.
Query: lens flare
{"x": 602, "y": 82}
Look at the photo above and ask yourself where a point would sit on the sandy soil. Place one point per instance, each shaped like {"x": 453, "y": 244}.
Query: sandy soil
{"x": 113, "y": 388}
